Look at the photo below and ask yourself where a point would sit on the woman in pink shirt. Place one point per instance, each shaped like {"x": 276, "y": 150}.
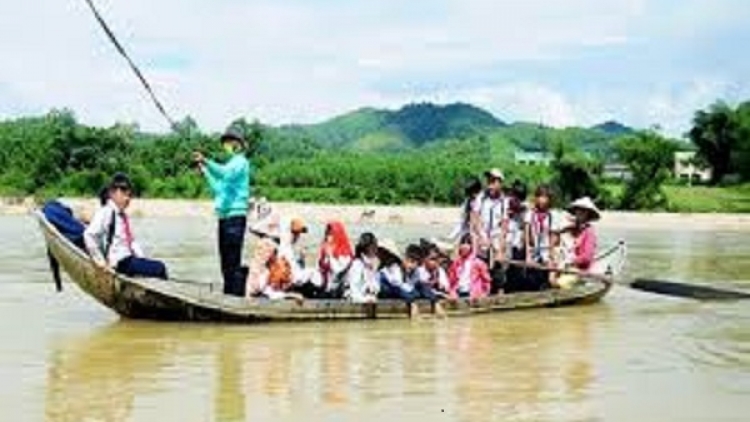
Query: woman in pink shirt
{"x": 582, "y": 252}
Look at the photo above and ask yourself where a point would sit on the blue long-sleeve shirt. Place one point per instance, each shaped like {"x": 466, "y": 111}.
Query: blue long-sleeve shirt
{"x": 230, "y": 184}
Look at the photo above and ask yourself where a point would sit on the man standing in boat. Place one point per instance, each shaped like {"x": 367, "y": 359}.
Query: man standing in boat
{"x": 230, "y": 185}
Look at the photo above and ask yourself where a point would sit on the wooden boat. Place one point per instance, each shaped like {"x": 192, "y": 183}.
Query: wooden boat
{"x": 186, "y": 301}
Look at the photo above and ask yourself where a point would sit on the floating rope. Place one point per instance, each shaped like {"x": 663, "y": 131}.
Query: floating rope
{"x": 133, "y": 66}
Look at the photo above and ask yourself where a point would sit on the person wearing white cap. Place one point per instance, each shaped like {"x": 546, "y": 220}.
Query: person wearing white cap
{"x": 493, "y": 210}
{"x": 583, "y": 249}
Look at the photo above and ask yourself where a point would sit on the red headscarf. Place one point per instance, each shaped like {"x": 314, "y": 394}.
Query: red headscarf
{"x": 341, "y": 244}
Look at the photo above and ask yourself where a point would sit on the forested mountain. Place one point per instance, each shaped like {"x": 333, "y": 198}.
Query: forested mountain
{"x": 418, "y": 125}
{"x": 414, "y": 125}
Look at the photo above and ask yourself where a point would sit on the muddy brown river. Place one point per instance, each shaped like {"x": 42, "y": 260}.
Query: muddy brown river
{"x": 634, "y": 357}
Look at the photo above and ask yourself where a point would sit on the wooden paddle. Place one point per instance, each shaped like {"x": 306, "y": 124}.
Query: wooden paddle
{"x": 690, "y": 291}
{"x": 264, "y": 235}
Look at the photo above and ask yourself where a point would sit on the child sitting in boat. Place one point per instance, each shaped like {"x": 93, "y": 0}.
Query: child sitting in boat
{"x": 334, "y": 259}
{"x": 399, "y": 278}
{"x": 417, "y": 280}
{"x": 362, "y": 280}
{"x": 270, "y": 274}
{"x": 468, "y": 275}
{"x": 109, "y": 237}
{"x": 581, "y": 253}
{"x": 432, "y": 273}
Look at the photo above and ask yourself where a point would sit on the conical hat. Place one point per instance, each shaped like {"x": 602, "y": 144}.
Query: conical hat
{"x": 586, "y": 203}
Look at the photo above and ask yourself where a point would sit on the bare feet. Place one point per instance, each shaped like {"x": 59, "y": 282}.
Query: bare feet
{"x": 439, "y": 311}
{"x": 413, "y": 311}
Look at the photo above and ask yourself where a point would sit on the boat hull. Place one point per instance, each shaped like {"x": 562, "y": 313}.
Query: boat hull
{"x": 180, "y": 301}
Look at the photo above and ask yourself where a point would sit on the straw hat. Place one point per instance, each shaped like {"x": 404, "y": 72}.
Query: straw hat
{"x": 494, "y": 173}
{"x": 587, "y": 204}
{"x": 389, "y": 247}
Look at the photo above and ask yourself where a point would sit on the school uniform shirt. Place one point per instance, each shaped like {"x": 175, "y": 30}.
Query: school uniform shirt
{"x": 464, "y": 225}
{"x": 492, "y": 212}
{"x": 362, "y": 279}
{"x": 395, "y": 277}
{"x": 337, "y": 266}
{"x": 123, "y": 243}
{"x": 437, "y": 280}
{"x": 541, "y": 226}
{"x": 514, "y": 236}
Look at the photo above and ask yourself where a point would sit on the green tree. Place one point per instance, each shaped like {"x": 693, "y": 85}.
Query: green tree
{"x": 716, "y": 134}
{"x": 650, "y": 158}
{"x": 741, "y": 156}
{"x": 575, "y": 175}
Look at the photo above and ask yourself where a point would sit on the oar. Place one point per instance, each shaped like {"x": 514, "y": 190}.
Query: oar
{"x": 264, "y": 235}
{"x": 690, "y": 291}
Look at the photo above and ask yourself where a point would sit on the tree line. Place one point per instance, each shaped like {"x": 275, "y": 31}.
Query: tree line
{"x": 55, "y": 155}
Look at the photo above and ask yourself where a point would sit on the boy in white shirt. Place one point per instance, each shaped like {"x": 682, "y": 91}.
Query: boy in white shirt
{"x": 109, "y": 237}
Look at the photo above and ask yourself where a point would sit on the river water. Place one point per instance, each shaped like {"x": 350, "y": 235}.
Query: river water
{"x": 635, "y": 356}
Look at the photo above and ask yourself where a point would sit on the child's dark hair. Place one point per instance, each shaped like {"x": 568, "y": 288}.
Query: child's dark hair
{"x": 121, "y": 181}
{"x": 366, "y": 241}
{"x": 466, "y": 238}
{"x": 473, "y": 187}
{"x": 103, "y": 196}
{"x": 543, "y": 190}
{"x": 415, "y": 253}
{"x": 519, "y": 190}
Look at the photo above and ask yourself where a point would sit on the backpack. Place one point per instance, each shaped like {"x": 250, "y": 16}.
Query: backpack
{"x": 61, "y": 217}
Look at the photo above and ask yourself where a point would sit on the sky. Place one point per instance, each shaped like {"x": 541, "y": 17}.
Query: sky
{"x": 556, "y": 62}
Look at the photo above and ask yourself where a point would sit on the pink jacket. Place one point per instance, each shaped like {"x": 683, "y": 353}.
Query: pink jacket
{"x": 584, "y": 249}
{"x": 480, "y": 277}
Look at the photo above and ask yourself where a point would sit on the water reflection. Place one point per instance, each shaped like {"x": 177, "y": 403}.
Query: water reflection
{"x": 97, "y": 377}
{"x": 515, "y": 365}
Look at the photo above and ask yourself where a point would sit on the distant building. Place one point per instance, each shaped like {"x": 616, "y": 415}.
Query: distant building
{"x": 533, "y": 158}
{"x": 685, "y": 168}
{"x": 617, "y": 171}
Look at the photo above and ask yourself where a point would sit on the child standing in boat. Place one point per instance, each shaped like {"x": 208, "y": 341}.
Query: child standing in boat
{"x": 542, "y": 237}
{"x": 470, "y": 219}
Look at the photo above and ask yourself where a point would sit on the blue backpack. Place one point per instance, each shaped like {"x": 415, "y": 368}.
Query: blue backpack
{"x": 62, "y": 218}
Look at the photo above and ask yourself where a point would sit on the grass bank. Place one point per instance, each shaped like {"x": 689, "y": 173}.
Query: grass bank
{"x": 702, "y": 199}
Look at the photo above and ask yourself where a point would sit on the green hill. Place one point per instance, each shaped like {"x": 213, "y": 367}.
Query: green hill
{"x": 412, "y": 126}
{"x": 418, "y": 125}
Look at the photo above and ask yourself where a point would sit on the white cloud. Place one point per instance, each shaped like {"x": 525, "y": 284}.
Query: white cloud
{"x": 296, "y": 60}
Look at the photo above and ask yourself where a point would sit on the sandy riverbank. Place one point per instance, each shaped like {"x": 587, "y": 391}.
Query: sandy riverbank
{"x": 409, "y": 214}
